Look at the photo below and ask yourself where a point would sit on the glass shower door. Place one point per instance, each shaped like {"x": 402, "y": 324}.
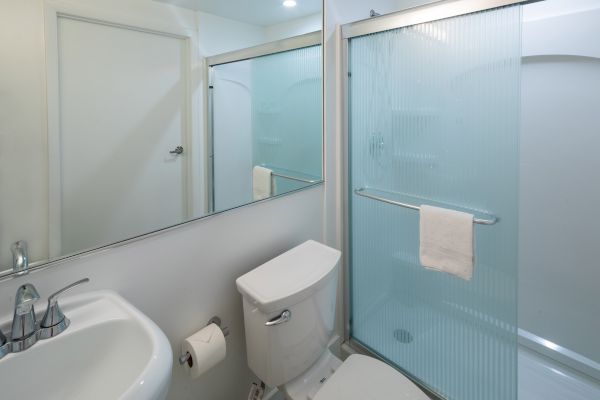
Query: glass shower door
{"x": 434, "y": 119}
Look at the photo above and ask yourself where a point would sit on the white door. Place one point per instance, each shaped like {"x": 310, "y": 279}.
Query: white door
{"x": 122, "y": 109}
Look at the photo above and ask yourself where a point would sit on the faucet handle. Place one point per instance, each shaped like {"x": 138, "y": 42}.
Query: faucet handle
{"x": 54, "y": 321}
{"x": 26, "y": 296}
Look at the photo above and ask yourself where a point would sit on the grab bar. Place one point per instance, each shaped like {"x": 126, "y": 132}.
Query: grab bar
{"x": 361, "y": 192}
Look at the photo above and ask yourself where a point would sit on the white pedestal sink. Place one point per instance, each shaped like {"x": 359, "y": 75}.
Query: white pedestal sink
{"x": 110, "y": 351}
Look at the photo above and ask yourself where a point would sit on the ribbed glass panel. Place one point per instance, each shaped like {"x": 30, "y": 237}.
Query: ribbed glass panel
{"x": 286, "y": 114}
{"x": 434, "y": 119}
{"x": 267, "y": 111}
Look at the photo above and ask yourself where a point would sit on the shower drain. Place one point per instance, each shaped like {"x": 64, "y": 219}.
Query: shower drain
{"x": 403, "y": 336}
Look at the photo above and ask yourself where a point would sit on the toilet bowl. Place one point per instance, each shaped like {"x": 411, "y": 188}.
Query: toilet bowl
{"x": 289, "y": 312}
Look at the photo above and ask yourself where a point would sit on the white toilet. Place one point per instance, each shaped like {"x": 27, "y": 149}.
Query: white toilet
{"x": 289, "y": 310}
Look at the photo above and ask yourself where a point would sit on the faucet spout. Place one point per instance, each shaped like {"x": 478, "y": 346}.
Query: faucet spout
{"x": 20, "y": 255}
{"x": 24, "y": 326}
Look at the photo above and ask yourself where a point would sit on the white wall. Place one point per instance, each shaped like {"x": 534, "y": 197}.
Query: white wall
{"x": 559, "y": 192}
{"x": 23, "y": 155}
{"x": 183, "y": 277}
{"x": 221, "y": 35}
{"x": 294, "y": 27}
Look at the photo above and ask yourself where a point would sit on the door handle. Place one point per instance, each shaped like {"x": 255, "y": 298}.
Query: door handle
{"x": 178, "y": 150}
{"x": 284, "y": 317}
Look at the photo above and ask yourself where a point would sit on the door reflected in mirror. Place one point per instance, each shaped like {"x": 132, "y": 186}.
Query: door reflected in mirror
{"x": 132, "y": 116}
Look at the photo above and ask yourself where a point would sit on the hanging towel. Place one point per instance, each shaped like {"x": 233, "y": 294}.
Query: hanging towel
{"x": 446, "y": 238}
{"x": 262, "y": 185}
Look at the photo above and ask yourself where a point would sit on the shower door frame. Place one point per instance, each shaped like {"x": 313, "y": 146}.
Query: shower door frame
{"x": 279, "y": 46}
{"x": 434, "y": 11}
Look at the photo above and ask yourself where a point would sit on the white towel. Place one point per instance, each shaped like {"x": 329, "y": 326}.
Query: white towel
{"x": 262, "y": 184}
{"x": 446, "y": 241}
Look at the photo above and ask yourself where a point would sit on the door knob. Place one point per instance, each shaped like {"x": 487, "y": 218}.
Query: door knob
{"x": 178, "y": 150}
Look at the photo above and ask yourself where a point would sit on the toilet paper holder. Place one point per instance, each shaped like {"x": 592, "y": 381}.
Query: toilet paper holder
{"x": 187, "y": 358}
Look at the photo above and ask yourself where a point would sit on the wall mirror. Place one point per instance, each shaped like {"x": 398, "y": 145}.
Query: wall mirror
{"x": 119, "y": 118}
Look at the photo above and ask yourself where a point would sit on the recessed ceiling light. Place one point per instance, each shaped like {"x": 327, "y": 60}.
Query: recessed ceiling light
{"x": 289, "y": 3}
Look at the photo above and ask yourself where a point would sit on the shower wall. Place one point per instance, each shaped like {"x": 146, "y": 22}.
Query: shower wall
{"x": 559, "y": 189}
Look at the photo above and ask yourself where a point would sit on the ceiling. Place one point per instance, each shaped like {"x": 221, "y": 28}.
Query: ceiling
{"x": 256, "y": 12}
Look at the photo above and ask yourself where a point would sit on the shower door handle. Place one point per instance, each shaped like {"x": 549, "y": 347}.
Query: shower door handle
{"x": 284, "y": 317}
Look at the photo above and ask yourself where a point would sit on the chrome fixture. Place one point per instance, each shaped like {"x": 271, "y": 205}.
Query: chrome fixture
{"x": 294, "y": 178}
{"x": 363, "y": 192}
{"x": 178, "y": 150}
{"x": 373, "y": 13}
{"x": 20, "y": 256}
{"x": 4, "y": 345}
{"x": 54, "y": 321}
{"x": 284, "y": 317}
{"x": 187, "y": 357}
{"x": 24, "y": 327}
{"x": 25, "y": 331}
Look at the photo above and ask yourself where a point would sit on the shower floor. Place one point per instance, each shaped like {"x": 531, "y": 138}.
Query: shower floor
{"x": 539, "y": 378}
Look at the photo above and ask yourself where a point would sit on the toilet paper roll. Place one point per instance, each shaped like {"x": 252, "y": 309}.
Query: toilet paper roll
{"x": 206, "y": 348}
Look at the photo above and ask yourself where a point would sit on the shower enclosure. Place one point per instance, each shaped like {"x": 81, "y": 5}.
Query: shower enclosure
{"x": 433, "y": 113}
{"x": 265, "y": 110}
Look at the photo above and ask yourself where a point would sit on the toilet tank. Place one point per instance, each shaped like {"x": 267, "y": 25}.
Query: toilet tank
{"x": 302, "y": 281}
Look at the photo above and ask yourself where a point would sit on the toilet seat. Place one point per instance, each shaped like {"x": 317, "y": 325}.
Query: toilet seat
{"x": 361, "y": 377}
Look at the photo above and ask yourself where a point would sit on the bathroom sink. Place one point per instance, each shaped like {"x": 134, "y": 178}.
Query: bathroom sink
{"x": 110, "y": 351}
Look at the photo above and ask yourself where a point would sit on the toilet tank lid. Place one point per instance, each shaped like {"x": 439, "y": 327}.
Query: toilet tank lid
{"x": 290, "y": 277}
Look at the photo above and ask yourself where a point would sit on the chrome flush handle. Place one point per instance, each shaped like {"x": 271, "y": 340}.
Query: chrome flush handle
{"x": 284, "y": 317}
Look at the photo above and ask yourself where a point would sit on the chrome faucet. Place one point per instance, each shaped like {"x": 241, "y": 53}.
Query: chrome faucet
{"x": 24, "y": 326}
{"x": 20, "y": 256}
{"x": 26, "y": 331}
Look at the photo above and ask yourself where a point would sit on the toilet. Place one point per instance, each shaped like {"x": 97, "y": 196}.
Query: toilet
{"x": 289, "y": 311}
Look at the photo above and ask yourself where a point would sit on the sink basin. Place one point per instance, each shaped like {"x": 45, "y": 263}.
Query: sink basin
{"x": 110, "y": 351}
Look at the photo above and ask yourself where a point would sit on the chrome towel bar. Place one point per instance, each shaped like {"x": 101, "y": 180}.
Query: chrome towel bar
{"x": 294, "y": 178}
{"x": 362, "y": 192}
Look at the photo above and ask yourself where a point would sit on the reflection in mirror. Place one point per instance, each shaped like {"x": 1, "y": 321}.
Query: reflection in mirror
{"x": 111, "y": 129}
{"x": 277, "y": 100}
